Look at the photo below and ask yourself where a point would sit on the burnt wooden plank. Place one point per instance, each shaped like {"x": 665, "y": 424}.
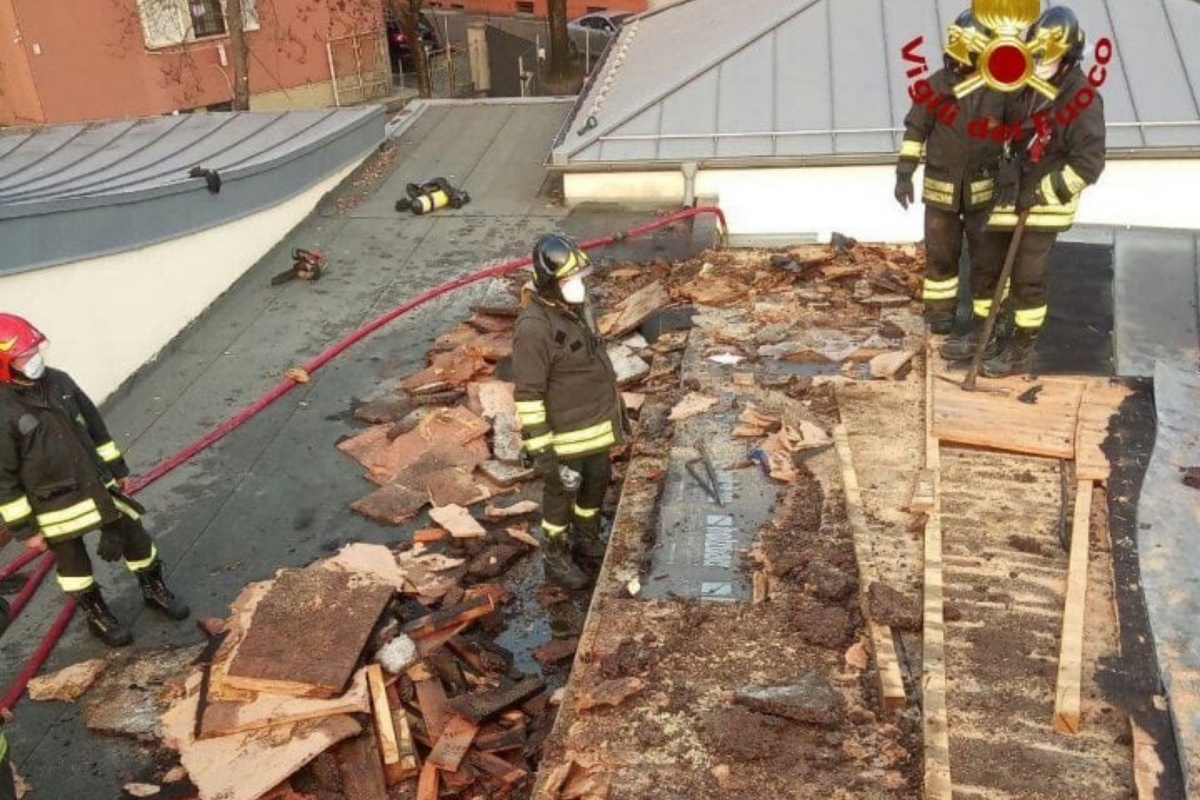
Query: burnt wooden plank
{"x": 451, "y": 617}
{"x": 453, "y": 744}
{"x": 307, "y": 634}
{"x": 478, "y": 706}
{"x": 361, "y": 769}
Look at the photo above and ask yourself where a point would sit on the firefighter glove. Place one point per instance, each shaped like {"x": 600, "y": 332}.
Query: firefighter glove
{"x": 112, "y": 545}
{"x": 1030, "y": 196}
{"x": 545, "y": 466}
{"x": 1008, "y": 182}
{"x": 904, "y": 189}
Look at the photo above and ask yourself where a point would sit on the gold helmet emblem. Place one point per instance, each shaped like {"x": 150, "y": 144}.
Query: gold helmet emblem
{"x": 1006, "y": 61}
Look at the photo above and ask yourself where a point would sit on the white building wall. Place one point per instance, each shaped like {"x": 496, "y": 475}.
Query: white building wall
{"x": 798, "y": 204}
{"x": 106, "y": 317}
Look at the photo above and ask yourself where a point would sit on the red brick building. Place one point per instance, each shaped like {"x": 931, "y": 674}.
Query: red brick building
{"x": 74, "y": 60}
{"x": 537, "y": 8}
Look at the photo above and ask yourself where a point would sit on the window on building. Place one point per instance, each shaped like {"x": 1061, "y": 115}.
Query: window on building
{"x": 524, "y": 7}
{"x": 208, "y": 18}
{"x": 171, "y": 22}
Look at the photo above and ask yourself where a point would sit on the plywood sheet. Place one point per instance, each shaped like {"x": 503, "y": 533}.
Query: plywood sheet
{"x": 307, "y": 633}
{"x": 997, "y": 419}
{"x": 222, "y": 717}
{"x": 245, "y": 766}
{"x": 1101, "y": 401}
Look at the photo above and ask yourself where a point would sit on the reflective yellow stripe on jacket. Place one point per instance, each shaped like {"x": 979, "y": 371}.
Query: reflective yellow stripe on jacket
{"x": 108, "y": 452}
{"x": 531, "y": 412}
{"x": 16, "y": 511}
{"x": 82, "y": 516}
{"x": 935, "y": 191}
{"x": 1049, "y": 217}
{"x": 586, "y": 440}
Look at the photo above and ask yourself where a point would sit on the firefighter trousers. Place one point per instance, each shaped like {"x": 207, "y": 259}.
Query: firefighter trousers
{"x": 1028, "y": 281}
{"x": 74, "y": 566}
{"x": 560, "y": 507}
{"x": 944, "y": 233}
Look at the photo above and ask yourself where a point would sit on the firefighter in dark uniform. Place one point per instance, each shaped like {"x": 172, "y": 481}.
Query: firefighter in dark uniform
{"x": 1061, "y": 153}
{"x": 62, "y": 476}
{"x": 959, "y": 173}
{"x": 570, "y": 411}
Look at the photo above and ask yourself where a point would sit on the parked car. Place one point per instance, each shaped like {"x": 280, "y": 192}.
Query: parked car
{"x": 400, "y": 51}
{"x": 590, "y": 33}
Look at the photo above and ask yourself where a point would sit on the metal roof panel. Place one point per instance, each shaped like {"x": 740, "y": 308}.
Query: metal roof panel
{"x": 825, "y": 78}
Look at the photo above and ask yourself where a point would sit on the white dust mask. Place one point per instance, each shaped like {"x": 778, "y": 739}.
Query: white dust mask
{"x": 573, "y": 290}
{"x": 1046, "y": 70}
{"x": 34, "y": 367}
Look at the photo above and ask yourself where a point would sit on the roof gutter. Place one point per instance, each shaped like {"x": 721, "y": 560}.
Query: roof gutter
{"x": 847, "y": 160}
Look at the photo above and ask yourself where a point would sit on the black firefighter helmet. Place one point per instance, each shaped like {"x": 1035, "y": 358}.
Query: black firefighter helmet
{"x": 555, "y": 258}
{"x": 960, "y": 56}
{"x": 1057, "y": 35}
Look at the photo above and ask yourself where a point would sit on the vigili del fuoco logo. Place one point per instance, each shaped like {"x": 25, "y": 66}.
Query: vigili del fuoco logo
{"x": 1005, "y": 63}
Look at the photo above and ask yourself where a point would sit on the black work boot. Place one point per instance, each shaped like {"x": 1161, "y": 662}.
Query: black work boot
{"x": 961, "y": 346}
{"x": 106, "y": 627}
{"x": 1016, "y": 358}
{"x": 939, "y": 314}
{"x": 559, "y": 567}
{"x": 586, "y": 544}
{"x": 157, "y": 595}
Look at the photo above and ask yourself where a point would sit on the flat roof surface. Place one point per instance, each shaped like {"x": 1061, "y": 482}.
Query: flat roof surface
{"x": 276, "y": 492}
{"x": 825, "y": 80}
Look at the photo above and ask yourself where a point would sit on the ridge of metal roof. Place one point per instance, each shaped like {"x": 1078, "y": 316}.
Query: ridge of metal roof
{"x": 614, "y": 57}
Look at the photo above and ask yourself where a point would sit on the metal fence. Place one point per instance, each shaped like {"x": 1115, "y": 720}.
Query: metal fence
{"x": 449, "y": 74}
{"x": 358, "y": 67}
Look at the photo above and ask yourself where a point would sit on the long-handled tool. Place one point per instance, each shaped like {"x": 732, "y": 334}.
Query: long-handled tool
{"x": 216, "y": 633}
{"x": 997, "y": 297}
{"x": 709, "y": 483}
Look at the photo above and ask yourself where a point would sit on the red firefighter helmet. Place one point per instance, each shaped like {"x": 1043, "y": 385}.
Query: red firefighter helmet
{"x": 17, "y": 338}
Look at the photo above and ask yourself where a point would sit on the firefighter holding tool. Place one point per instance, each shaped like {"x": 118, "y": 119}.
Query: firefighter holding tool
{"x": 570, "y": 411}
{"x": 1061, "y": 152}
{"x": 959, "y": 176}
{"x": 62, "y": 476}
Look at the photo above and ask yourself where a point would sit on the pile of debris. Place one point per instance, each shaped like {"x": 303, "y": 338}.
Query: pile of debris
{"x": 341, "y": 657}
{"x": 356, "y": 677}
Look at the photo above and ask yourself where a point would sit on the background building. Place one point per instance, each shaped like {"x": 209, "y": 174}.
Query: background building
{"x": 76, "y": 60}
{"x": 537, "y": 8}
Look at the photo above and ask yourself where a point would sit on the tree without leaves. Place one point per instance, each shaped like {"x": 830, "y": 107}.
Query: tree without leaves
{"x": 560, "y": 42}
{"x": 236, "y": 24}
{"x": 180, "y": 70}
{"x": 409, "y": 12}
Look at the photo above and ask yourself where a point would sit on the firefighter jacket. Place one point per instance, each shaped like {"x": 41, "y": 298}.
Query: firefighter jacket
{"x": 58, "y": 462}
{"x": 566, "y": 388}
{"x": 961, "y": 156}
{"x": 1060, "y": 157}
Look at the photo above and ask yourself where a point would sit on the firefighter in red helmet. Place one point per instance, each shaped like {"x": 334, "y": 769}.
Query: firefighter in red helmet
{"x": 62, "y": 476}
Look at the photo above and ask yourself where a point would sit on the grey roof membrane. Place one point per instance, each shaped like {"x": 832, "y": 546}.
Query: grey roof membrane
{"x": 69, "y": 192}
{"x": 825, "y": 80}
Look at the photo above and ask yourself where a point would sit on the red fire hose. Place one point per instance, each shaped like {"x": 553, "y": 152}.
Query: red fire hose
{"x": 39, "y": 656}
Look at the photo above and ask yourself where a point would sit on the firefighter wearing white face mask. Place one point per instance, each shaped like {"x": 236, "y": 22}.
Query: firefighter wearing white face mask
{"x": 567, "y": 401}
{"x": 1061, "y": 153}
{"x": 62, "y": 477}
